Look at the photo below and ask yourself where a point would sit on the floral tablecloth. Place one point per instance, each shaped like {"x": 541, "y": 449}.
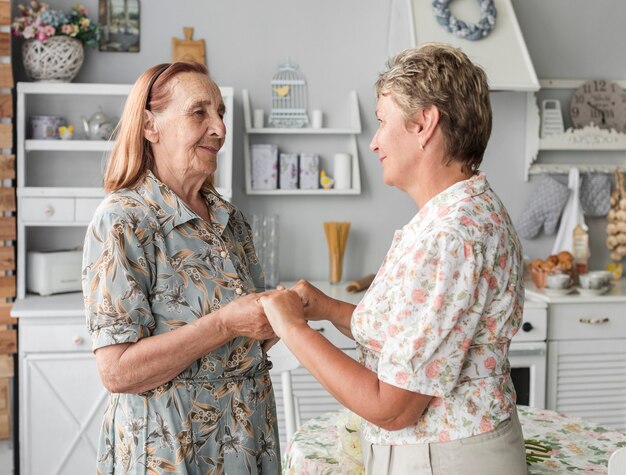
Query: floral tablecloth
{"x": 578, "y": 446}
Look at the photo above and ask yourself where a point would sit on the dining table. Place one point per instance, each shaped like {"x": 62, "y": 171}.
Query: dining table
{"x": 329, "y": 444}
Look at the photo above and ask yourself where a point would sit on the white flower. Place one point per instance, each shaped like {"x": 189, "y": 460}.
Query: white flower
{"x": 348, "y": 431}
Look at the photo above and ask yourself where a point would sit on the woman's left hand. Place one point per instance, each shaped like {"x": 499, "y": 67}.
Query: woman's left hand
{"x": 284, "y": 311}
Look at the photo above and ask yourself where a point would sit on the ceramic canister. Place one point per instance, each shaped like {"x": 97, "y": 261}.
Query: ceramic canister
{"x": 45, "y": 127}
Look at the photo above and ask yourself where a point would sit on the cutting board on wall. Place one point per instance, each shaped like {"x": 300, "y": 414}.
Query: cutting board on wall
{"x": 187, "y": 49}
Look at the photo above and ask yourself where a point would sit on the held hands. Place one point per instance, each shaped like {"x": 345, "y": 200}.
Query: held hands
{"x": 314, "y": 301}
{"x": 284, "y": 310}
{"x": 245, "y": 317}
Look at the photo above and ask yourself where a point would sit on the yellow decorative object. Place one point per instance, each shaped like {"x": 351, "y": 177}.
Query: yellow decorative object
{"x": 281, "y": 91}
{"x": 326, "y": 181}
{"x": 616, "y": 269}
{"x": 66, "y": 133}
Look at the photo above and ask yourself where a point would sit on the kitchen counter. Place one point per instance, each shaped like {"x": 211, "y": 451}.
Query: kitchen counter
{"x": 60, "y": 305}
{"x": 71, "y": 304}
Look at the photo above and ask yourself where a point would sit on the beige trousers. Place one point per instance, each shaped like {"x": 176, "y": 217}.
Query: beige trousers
{"x": 498, "y": 452}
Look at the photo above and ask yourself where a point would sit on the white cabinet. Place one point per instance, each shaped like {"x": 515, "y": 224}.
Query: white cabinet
{"x": 590, "y": 149}
{"x": 327, "y": 141}
{"x": 586, "y": 379}
{"x": 587, "y": 356}
{"x": 61, "y": 398}
{"x": 59, "y": 182}
{"x": 59, "y": 186}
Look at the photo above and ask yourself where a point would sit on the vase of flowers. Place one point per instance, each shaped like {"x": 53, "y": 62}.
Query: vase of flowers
{"x": 54, "y": 46}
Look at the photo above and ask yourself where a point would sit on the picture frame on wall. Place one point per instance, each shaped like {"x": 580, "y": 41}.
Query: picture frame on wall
{"x": 120, "y": 25}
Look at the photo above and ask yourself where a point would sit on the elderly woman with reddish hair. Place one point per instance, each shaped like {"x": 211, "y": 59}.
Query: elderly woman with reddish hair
{"x": 170, "y": 283}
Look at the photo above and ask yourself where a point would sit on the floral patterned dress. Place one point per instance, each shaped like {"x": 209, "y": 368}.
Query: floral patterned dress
{"x": 440, "y": 314}
{"x": 152, "y": 265}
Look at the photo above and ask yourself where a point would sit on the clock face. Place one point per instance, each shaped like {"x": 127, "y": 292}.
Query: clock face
{"x": 600, "y": 102}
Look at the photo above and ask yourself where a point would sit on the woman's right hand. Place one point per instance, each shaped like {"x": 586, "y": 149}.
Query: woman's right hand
{"x": 317, "y": 305}
{"x": 245, "y": 316}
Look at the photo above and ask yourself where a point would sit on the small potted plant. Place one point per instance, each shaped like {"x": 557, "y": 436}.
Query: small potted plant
{"x": 54, "y": 40}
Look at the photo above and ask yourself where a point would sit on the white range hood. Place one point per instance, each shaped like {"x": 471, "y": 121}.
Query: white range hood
{"x": 502, "y": 54}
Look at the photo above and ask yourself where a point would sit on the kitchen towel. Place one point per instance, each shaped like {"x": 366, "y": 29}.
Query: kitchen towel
{"x": 572, "y": 216}
{"x": 543, "y": 208}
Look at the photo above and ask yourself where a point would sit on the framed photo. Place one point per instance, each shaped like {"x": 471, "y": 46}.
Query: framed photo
{"x": 120, "y": 25}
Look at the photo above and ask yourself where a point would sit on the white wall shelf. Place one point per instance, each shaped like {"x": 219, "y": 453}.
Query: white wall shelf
{"x": 350, "y": 132}
{"x": 588, "y": 139}
{"x": 564, "y": 168}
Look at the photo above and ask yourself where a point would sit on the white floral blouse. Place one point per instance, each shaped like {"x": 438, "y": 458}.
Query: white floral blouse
{"x": 439, "y": 317}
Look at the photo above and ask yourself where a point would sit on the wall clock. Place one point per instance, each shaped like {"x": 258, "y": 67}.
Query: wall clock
{"x": 599, "y": 101}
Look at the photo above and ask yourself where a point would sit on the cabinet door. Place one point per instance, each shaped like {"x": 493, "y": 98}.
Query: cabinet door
{"x": 586, "y": 379}
{"x": 61, "y": 410}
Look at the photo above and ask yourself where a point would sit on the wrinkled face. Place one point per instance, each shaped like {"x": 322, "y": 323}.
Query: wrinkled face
{"x": 191, "y": 128}
{"x": 395, "y": 142}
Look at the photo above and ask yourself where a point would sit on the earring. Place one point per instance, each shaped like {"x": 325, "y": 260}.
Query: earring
{"x": 421, "y": 146}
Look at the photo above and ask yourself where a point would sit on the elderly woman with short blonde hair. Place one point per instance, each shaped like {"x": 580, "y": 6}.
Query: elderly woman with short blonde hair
{"x": 433, "y": 383}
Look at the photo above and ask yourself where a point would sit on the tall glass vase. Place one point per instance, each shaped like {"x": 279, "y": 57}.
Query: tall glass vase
{"x": 265, "y": 236}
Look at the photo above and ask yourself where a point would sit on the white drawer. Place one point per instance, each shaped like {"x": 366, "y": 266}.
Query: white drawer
{"x": 47, "y": 209}
{"x": 55, "y": 338}
{"x": 85, "y": 208}
{"x": 574, "y": 321}
{"x": 332, "y": 334}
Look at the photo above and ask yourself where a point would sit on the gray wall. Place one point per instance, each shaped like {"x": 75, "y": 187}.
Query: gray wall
{"x": 340, "y": 46}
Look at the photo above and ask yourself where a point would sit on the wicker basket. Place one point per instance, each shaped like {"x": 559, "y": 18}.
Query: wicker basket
{"x": 57, "y": 59}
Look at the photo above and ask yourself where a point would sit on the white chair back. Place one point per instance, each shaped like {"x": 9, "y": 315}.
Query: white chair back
{"x": 284, "y": 362}
{"x": 617, "y": 462}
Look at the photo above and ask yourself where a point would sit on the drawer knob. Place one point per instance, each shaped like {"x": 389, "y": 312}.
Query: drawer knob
{"x": 527, "y": 326}
{"x": 48, "y": 211}
{"x": 78, "y": 340}
{"x": 594, "y": 321}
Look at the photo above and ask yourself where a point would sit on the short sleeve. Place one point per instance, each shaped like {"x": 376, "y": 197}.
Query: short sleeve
{"x": 116, "y": 279}
{"x": 433, "y": 324}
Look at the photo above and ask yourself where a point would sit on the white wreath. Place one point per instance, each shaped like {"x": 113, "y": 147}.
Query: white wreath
{"x": 459, "y": 28}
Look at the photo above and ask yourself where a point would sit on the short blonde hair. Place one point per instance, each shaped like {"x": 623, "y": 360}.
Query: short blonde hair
{"x": 443, "y": 76}
{"x": 131, "y": 157}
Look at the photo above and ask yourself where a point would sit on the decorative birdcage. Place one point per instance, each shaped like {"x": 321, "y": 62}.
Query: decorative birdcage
{"x": 289, "y": 98}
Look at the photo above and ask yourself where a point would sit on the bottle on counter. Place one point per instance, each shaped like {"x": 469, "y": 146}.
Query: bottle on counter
{"x": 581, "y": 249}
